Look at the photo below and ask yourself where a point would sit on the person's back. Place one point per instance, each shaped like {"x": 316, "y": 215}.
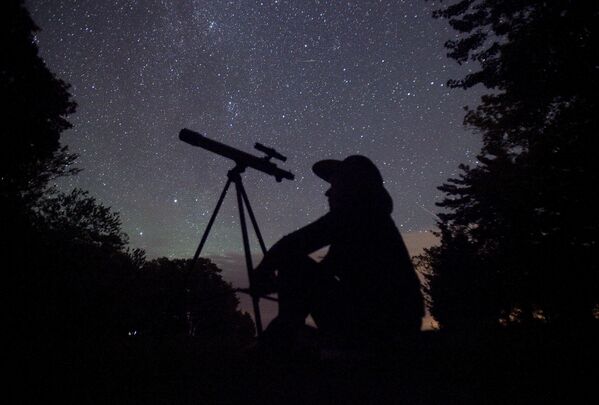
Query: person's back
{"x": 373, "y": 266}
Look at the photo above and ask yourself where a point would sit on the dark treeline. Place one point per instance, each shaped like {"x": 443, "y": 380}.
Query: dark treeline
{"x": 69, "y": 273}
{"x": 519, "y": 229}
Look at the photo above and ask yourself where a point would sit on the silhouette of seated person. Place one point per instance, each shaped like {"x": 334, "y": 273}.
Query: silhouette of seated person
{"x": 365, "y": 289}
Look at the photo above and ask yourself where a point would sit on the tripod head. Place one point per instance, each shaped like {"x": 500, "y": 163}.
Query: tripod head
{"x": 242, "y": 159}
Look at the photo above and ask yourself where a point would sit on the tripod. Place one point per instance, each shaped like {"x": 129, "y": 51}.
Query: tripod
{"x": 234, "y": 176}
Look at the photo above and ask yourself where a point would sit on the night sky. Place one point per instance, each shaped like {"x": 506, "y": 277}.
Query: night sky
{"x": 313, "y": 79}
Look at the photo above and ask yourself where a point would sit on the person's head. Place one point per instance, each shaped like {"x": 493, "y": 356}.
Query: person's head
{"x": 355, "y": 183}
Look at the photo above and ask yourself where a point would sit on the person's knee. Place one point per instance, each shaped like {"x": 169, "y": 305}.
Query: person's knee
{"x": 298, "y": 263}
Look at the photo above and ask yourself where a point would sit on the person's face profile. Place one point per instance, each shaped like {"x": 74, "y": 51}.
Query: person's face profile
{"x": 336, "y": 192}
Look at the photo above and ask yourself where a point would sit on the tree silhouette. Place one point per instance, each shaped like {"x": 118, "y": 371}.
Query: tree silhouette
{"x": 35, "y": 105}
{"x": 519, "y": 230}
{"x": 172, "y": 299}
{"x": 73, "y": 269}
{"x": 81, "y": 281}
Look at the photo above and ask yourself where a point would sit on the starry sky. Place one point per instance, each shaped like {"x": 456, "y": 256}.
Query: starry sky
{"x": 313, "y": 79}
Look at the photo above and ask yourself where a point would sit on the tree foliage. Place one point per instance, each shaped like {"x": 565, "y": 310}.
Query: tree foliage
{"x": 519, "y": 230}
{"x": 35, "y": 106}
{"x": 173, "y": 299}
{"x": 78, "y": 279}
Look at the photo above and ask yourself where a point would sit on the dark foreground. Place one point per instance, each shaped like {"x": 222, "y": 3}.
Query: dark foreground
{"x": 503, "y": 367}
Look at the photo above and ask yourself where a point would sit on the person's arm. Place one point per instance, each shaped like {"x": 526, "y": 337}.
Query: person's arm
{"x": 299, "y": 243}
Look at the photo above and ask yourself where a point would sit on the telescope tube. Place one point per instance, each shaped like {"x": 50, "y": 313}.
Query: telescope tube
{"x": 239, "y": 157}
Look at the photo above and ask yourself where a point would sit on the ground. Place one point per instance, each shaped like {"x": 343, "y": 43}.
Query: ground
{"x": 503, "y": 367}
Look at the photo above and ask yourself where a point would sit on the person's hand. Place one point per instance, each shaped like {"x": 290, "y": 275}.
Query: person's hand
{"x": 264, "y": 281}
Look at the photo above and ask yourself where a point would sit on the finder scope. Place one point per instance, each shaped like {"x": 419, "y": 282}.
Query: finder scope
{"x": 270, "y": 152}
{"x": 241, "y": 158}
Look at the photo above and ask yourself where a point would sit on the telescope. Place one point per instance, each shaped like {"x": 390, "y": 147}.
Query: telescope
{"x": 242, "y": 159}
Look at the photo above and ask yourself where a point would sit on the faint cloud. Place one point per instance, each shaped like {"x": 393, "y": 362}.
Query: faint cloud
{"x": 416, "y": 242}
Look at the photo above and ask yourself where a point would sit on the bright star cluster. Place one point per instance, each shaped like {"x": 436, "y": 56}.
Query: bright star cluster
{"x": 313, "y": 79}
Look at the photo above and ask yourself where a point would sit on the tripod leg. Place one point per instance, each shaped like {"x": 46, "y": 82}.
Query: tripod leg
{"x": 253, "y": 218}
{"x": 207, "y": 231}
{"x": 248, "y": 255}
